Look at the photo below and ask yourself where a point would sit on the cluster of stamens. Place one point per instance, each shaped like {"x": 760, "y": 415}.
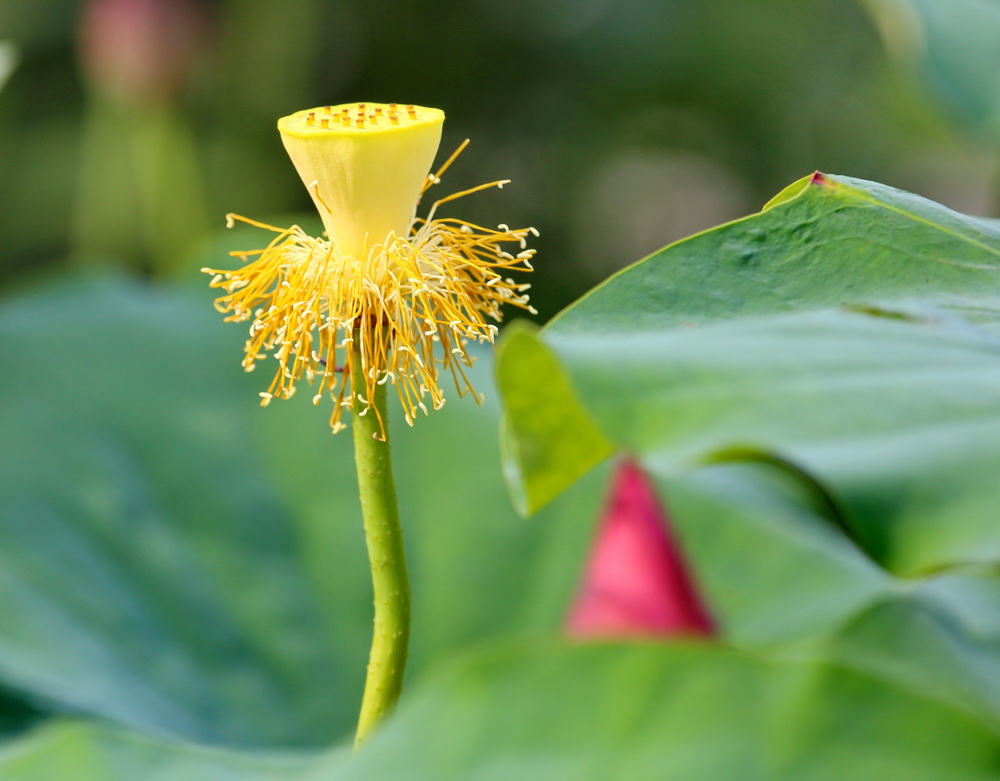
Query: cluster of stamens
{"x": 413, "y": 303}
{"x": 360, "y": 117}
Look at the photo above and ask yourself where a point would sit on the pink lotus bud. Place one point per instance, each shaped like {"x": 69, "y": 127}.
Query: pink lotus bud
{"x": 140, "y": 49}
{"x": 636, "y": 583}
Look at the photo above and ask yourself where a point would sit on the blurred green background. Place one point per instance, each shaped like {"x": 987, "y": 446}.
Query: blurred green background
{"x": 130, "y": 127}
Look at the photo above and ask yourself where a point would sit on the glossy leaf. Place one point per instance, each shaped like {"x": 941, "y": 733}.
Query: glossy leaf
{"x": 824, "y": 331}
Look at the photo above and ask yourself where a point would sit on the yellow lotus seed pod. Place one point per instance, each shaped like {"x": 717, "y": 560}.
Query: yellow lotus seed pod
{"x": 365, "y": 165}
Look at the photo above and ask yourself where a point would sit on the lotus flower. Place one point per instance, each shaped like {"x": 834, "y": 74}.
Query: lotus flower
{"x": 636, "y": 582}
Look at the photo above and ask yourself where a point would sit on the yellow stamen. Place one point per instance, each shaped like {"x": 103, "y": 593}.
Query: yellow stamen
{"x": 413, "y": 291}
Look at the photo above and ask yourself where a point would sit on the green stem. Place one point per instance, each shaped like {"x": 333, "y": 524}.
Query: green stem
{"x": 385, "y": 552}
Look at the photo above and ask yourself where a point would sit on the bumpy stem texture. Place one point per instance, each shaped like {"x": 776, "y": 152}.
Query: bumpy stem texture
{"x": 384, "y": 536}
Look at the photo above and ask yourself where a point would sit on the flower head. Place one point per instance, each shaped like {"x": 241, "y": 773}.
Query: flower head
{"x": 409, "y": 291}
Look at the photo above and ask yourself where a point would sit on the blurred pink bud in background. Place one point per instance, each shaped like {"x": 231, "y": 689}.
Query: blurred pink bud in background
{"x": 140, "y": 49}
{"x": 636, "y": 583}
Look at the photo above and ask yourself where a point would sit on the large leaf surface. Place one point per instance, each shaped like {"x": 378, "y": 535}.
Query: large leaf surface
{"x": 175, "y": 558}
{"x": 588, "y": 712}
{"x": 128, "y": 587}
{"x": 823, "y": 242}
{"x": 833, "y": 331}
{"x": 653, "y": 712}
{"x": 784, "y": 580}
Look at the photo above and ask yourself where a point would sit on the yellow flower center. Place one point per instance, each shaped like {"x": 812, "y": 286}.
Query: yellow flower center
{"x": 406, "y": 292}
{"x": 364, "y": 165}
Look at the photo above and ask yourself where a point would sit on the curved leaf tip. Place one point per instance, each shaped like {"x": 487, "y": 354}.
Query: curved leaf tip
{"x": 549, "y": 439}
{"x": 793, "y": 191}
